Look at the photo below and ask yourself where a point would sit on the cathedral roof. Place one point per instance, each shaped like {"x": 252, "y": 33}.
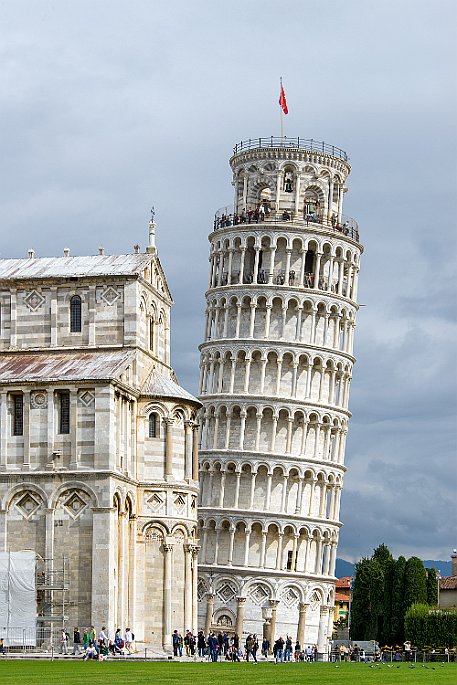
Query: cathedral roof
{"x": 63, "y": 366}
{"x": 158, "y": 385}
{"x": 74, "y": 267}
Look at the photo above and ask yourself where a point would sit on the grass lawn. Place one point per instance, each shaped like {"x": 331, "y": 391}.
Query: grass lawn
{"x": 163, "y": 673}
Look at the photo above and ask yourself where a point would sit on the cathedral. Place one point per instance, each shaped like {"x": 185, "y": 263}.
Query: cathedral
{"x": 99, "y": 443}
{"x": 122, "y": 483}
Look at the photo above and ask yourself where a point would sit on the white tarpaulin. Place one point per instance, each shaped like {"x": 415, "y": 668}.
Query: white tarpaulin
{"x": 18, "y": 598}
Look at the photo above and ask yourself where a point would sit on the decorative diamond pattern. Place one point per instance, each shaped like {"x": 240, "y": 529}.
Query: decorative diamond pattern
{"x": 289, "y": 597}
{"x": 201, "y": 589}
{"x": 34, "y": 300}
{"x": 75, "y": 505}
{"x": 86, "y": 398}
{"x": 179, "y": 503}
{"x": 110, "y": 296}
{"x": 27, "y": 505}
{"x": 258, "y": 594}
{"x": 156, "y": 502}
{"x": 226, "y": 592}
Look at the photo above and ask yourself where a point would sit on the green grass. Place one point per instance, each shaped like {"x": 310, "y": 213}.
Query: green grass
{"x": 160, "y": 673}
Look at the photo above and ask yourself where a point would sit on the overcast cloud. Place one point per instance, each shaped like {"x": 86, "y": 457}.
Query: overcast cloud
{"x": 108, "y": 107}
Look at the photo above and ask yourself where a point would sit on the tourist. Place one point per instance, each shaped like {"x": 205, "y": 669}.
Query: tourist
{"x": 265, "y": 648}
{"x": 288, "y": 648}
{"x": 297, "y": 650}
{"x": 63, "y": 641}
{"x": 278, "y": 650}
{"x": 128, "y": 640}
{"x": 103, "y": 640}
{"x": 201, "y": 644}
{"x": 76, "y": 641}
{"x": 255, "y": 647}
{"x": 250, "y": 642}
{"x": 91, "y": 652}
{"x": 86, "y": 638}
{"x": 2, "y": 646}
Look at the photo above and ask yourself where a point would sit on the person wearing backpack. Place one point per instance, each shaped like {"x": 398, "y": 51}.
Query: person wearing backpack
{"x": 128, "y": 640}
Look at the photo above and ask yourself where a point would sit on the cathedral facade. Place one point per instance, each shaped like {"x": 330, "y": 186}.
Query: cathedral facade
{"x": 276, "y": 366}
{"x": 99, "y": 443}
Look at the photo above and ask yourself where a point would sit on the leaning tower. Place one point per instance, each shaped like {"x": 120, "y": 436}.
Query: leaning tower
{"x": 276, "y": 366}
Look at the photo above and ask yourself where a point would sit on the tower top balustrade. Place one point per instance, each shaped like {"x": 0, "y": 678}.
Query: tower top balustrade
{"x": 291, "y": 144}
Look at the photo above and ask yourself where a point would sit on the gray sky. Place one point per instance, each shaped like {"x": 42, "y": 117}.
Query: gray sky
{"x": 108, "y": 107}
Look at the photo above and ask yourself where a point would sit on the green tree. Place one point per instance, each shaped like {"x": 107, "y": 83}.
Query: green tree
{"x": 432, "y": 587}
{"x": 415, "y": 582}
{"x": 398, "y": 602}
{"x": 367, "y": 600}
{"x": 384, "y": 557}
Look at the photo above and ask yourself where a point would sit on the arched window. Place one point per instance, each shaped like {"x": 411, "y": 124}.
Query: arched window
{"x": 75, "y": 314}
{"x": 153, "y": 426}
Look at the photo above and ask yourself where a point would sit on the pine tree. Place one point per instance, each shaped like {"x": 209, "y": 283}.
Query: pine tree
{"x": 360, "y": 612}
{"x": 432, "y": 587}
{"x": 386, "y": 561}
{"x": 398, "y": 601}
{"x": 415, "y": 582}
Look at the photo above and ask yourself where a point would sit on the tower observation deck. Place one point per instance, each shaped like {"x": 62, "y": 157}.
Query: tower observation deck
{"x": 276, "y": 366}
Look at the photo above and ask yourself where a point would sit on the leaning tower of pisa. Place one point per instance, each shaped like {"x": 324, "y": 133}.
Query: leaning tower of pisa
{"x": 276, "y": 366}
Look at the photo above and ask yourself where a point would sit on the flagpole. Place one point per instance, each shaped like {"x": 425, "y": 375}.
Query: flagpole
{"x": 280, "y": 108}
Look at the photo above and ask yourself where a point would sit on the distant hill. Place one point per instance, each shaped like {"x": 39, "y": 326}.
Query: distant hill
{"x": 345, "y": 568}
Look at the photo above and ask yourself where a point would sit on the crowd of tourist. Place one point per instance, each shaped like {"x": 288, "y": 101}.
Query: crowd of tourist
{"x": 91, "y": 644}
{"x": 263, "y": 211}
{"x": 225, "y": 647}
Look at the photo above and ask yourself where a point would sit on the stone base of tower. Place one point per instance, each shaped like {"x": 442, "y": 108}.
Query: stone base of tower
{"x": 269, "y": 605}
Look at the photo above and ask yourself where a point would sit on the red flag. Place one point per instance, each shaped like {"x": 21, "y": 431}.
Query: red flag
{"x": 283, "y": 101}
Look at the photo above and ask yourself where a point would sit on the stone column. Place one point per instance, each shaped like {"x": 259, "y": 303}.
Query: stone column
{"x": 188, "y": 587}
{"x": 298, "y": 501}
{"x": 263, "y": 549}
{"x": 232, "y": 531}
{"x": 4, "y": 429}
{"x": 131, "y": 614}
{"x": 194, "y": 628}
{"x": 237, "y": 489}
{"x": 302, "y": 268}
{"x": 269, "y": 307}
{"x": 122, "y": 595}
{"x": 232, "y": 374}
{"x": 247, "y": 540}
{"x": 247, "y": 373}
{"x": 252, "y": 320}
{"x": 256, "y": 264}
{"x": 169, "y": 449}
{"x": 229, "y": 267}
{"x": 322, "y": 634}
{"x": 297, "y": 197}
{"x": 188, "y": 450}
{"x": 241, "y": 602}
{"x": 268, "y": 493}
{"x": 243, "y": 414}
{"x": 209, "y": 612}
{"x": 290, "y": 425}
{"x": 274, "y": 425}
{"x": 272, "y": 265}
{"x": 167, "y": 589}
{"x": 287, "y": 269}
{"x": 317, "y": 270}
{"x": 273, "y": 603}
{"x": 195, "y": 452}
{"x": 284, "y": 494}
{"x": 251, "y": 494}
{"x": 283, "y": 322}
{"x": 26, "y": 428}
{"x": 279, "y": 552}
{"x": 303, "y": 437}
{"x": 222, "y": 490}
{"x": 302, "y": 607}
{"x": 294, "y": 553}
{"x": 243, "y": 252}
{"x": 278, "y": 377}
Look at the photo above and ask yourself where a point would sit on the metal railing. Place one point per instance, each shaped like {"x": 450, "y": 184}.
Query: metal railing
{"x": 226, "y": 217}
{"x": 292, "y": 144}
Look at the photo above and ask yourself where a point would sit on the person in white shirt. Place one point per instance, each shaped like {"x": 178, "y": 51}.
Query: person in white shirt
{"x": 128, "y": 639}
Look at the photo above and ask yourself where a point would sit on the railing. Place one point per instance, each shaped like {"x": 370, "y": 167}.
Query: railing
{"x": 291, "y": 144}
{"x": 225, "y": 217}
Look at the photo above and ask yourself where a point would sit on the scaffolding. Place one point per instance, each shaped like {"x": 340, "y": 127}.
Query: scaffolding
{"x": 52, "y": 586}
